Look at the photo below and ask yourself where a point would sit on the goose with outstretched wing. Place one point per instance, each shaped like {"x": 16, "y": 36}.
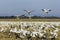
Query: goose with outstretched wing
{"x": 28, "y": 11}
{"x": 46, "y": 10}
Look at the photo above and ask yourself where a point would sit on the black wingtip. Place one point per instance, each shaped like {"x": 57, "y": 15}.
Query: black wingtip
{"x": 42, "y": 9}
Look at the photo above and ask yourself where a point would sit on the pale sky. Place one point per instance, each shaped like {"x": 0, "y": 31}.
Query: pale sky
{"x": 16, "y": 7}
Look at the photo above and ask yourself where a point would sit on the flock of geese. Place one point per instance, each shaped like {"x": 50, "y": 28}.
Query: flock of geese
{"x": 44, "y": 10}
{"x": 30, "y": 11}
{"x": 39, "y": 30}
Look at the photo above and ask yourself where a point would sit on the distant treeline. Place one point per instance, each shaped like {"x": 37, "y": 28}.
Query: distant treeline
{"x": 25, "y": 17}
